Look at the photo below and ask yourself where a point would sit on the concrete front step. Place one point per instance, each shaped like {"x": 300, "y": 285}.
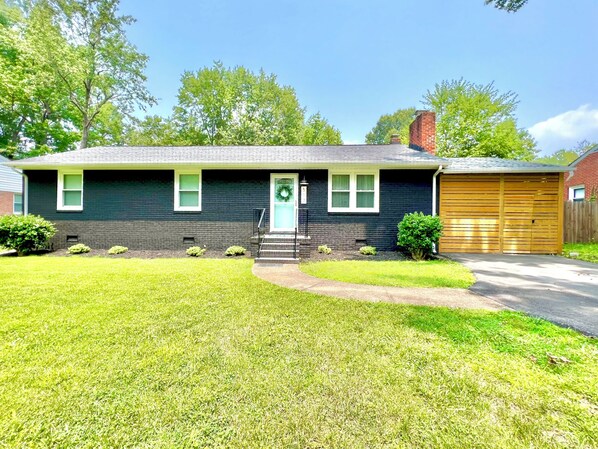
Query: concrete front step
{"x": 276, "y": 260}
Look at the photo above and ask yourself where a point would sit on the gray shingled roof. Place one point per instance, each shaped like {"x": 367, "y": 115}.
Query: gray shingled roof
{"x": 296, "y": 157}
{"x": 496, "y": 165}
{"x": 10, "y": 180}
{"x": 236, "y": 156}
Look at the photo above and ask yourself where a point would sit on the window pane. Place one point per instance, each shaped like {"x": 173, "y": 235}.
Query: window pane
{"x": 189, "y": 199}
{"x": 340, "y": 182}
{"x": 72, "y": 198}
{"x": 365, "y": 199}
{"x": 579, "y": 194}
{"x": 340, "y": 199}
{"x": 18, "y": 204}
{"x": 73, "y": 182}
{"x": 365, "y": 182}
{"x": 189, "y": 182}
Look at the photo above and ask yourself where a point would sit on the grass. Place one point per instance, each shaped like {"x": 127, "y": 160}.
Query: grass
{"x": 430, "y": 273}
{"x": 587, "y": 251}
{"x": 181, "y": 353}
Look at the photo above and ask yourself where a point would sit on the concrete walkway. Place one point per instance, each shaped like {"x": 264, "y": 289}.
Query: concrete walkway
{"x": 289, "y": 275}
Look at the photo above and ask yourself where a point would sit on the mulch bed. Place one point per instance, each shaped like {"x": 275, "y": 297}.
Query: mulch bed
{"x": 356, "y": 255}
{"x": 143, "y": 254}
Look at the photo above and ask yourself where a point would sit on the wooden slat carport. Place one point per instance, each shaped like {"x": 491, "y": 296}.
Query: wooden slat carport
{"x": 502, "y": 213}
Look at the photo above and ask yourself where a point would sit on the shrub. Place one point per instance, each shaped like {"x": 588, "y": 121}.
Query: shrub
{"x": 368, "y": 250}
{"x": 118, "y": 250}
{"x": 196, "y": 251}
{"x": 418, "y": 233}
{"x": 25, "y": 233}
{"x": 235, "y": 251}
{"x": 79, "y": 248}
{"x": 324, "y": 249}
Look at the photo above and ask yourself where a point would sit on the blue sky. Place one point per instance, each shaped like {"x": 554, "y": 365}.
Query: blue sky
{"x": 355, "y": 60}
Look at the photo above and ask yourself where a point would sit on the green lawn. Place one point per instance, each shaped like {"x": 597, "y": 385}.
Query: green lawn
{"x": 429, "y": 273}
{"x": 587, "y": 251}
{"x": 179, "y": 353}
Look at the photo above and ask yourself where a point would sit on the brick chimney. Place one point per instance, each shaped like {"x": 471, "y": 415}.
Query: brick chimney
{"x": 395, "y": 138}
{"x": 422, "y": 132}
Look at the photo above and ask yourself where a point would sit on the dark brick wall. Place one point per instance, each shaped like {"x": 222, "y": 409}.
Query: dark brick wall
{"x": 135, "y": 208}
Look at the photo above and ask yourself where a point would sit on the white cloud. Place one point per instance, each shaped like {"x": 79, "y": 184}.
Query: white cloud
{"x": 566, "y": 129}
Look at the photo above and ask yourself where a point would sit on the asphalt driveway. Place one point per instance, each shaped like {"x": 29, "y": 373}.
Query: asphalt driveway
{"x": 561, "y": 290}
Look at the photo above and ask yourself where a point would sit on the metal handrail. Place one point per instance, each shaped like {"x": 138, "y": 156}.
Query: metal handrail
{"x": 259, "y": 229}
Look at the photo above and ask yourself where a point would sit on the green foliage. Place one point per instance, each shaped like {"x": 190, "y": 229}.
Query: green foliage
{"x": 117, "y": 250}
{"x": 196, "y": 251}
{"x": 418, "y": 233}
{"x": 389, "y": 124}
{"x": 566, "y": 156}
{"x": 585, "y": 251}
{"x": 324, "y": 249}
{"x": 25, "y": 233}
{"x": 317, "y": 131}
{"x": 368, "y": 250}
{"x": 79, "y": 248}
{"x": 475, "y": 120}
{"x": 507, "y": 5}
{"x": 154, "y": 130}
{"x": 235, "y": 251}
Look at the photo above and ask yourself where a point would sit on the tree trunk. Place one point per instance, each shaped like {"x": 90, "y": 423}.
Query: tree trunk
{"x": 85, "y": 133}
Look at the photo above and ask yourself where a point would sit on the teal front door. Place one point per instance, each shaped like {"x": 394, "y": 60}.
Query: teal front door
{"x": 283, "y": 201}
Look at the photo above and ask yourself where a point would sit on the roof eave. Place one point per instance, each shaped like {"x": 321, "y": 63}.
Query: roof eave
{"x": 448, "y": 171}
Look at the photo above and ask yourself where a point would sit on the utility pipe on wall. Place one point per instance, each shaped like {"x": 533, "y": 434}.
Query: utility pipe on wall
{"x": 434, "y": 190}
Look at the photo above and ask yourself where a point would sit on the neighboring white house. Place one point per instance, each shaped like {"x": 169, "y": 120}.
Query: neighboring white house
{"x": 11, "y": 189}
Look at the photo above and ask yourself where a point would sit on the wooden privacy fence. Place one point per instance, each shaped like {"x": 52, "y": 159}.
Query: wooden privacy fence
{"x": 581, "y": 222}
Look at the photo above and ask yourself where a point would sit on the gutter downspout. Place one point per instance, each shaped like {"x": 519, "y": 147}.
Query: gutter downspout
{"x": 434, "y": 249}
{"x": 25, "y": 194}
{"x": 434, "y": 190}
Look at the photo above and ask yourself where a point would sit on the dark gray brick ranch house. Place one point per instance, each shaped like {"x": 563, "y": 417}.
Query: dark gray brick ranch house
{"x": 345, "y": 196}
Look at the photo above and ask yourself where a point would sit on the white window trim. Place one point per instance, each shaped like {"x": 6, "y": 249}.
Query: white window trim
{"x": 14, "y": 203}
{"x": 572, "y": 190}
{"x": 177, "y": 206}
{"x": 353, "y": 191}
{"x": 60, "y": 198}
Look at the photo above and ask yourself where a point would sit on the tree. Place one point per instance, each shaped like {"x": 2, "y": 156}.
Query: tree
{"x": 318, "y": 131}
{"x": 154, "y": 131}
{"x": 83, "y": 44}
{"x": 389, "y": 124}
{"x": 507, "y": 5}
{"x": 34, "y": 117}
{"x": 220, "y": 106}
{"x": 475, "y": 120}
{"x": 566, "y": 156}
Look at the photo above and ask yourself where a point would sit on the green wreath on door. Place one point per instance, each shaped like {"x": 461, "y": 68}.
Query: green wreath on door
{"x": 284, "y": 193}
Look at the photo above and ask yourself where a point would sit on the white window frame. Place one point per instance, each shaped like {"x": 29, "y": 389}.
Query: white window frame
{"x": 177, "y": 198}
{"x": 353, "y": 191}
{"x": 572, "y": 190}
{"x": 60, "y": 197}
{"x": 14, "y": 203}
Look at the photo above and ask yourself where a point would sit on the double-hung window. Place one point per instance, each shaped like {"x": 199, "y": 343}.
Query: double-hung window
{"x": 353, "y": 191}
{"x": 187, "y": 191}
{"x": 70, "y": 190}
{"x": 17, "y": 205}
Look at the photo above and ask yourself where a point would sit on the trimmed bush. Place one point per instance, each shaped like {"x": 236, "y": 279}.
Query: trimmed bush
{"x": 25, "y": 233}
{"x": 418, "y": 233}
{"x": 368, "y": 250}
{"x": 196, "y": 251}
{"x": 235, "y": 251}
{"x": 79, "y": 248}
{"x": 324, "y": 249}
{"x": 118, "y": 250}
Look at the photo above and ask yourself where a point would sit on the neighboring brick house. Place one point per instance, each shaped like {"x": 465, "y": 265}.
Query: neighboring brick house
{"x": 582, "y": 184}
{"x": 286, "y": 200}
{"x": 11, "y": 190}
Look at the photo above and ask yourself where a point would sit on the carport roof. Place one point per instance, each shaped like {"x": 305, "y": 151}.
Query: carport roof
{"x": 496, "y": 165}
